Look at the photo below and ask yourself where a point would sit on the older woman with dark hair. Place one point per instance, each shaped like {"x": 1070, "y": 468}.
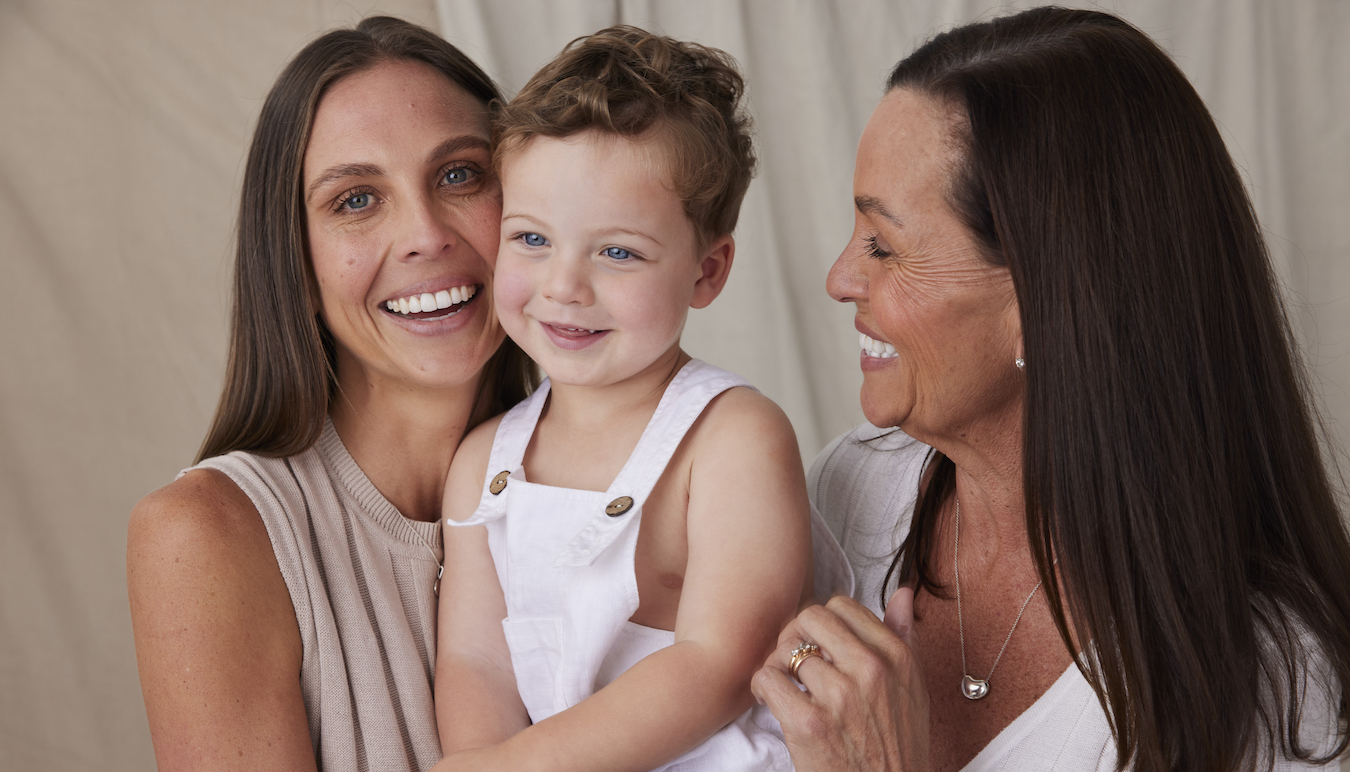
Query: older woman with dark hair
{"x": 1105, "y": 505}
{"x": 283, "y": 590}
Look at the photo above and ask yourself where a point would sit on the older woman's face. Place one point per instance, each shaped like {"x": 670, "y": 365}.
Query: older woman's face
{"x": 402, "y": 208}
{"x": 942, "y": 321}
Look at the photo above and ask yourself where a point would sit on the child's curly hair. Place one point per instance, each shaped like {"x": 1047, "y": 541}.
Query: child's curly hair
{"x": 629, "y": 82}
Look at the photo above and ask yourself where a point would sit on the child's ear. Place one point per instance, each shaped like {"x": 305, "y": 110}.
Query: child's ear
{"x": 714, "y": 267}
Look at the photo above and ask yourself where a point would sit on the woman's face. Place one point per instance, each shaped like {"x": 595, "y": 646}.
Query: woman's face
{"x": 942, "y": 321}
{"x": 403, "y": 209}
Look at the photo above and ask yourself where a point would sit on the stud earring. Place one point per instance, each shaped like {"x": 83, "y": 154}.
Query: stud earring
{"x": 1020, "y": 362}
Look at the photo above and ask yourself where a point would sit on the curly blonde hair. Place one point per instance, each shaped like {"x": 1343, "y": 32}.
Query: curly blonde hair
{"x": 631, "y": 83}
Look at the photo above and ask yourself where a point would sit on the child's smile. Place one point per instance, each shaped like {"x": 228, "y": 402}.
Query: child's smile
{"x": 571, "y": 338}
{"x": 599, "y": 263}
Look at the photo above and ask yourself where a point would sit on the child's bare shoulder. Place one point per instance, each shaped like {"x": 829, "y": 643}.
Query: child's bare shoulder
{"x": 743, "y": 420}
{"x": 468, "y": 470}
{"x": 478, "y": 442}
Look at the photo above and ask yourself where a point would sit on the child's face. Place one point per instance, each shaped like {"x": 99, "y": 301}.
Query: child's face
{"x": 598, "y": 263}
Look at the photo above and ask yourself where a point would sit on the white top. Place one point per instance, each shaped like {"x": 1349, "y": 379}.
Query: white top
{"x": 565, "y": 559}
{"x": 865, "y": 484}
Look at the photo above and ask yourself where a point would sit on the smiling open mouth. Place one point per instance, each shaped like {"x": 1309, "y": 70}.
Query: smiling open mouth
{"x": 874, "y": 348}
{"x": 429, "y": 306}
{"x": 573, "y": 332}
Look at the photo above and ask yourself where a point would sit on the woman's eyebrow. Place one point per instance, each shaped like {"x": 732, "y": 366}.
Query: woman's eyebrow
{"x": 450, "y": 146}
{"x": 873, "y": 205}
{"x": 340, "y": 171}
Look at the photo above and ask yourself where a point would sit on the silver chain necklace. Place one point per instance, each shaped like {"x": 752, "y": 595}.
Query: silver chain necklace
{"x": 977, "y": 688}
{"x": 440, "y": 565}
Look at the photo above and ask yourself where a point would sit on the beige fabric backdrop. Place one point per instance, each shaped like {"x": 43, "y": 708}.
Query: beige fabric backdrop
{"x": 122, "y": 133}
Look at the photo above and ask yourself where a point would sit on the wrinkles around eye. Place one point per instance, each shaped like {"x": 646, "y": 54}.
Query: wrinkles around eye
{"x": 469, "y": 176}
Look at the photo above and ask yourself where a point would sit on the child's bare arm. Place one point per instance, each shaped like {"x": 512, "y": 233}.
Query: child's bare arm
{"x": 477, "y": 702}
{"x": 749, "y": 555}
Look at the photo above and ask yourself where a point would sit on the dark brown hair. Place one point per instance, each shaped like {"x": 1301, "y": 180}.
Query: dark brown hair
{"x": 1170, "y": 455}
{"x": 626, "y": 81}
{"x": 281, "y": 374}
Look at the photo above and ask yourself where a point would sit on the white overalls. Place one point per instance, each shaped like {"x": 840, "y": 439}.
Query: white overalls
{"x": 565, "y": 561}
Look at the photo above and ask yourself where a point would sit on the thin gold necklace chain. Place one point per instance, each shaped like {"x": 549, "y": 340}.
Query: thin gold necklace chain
{"x": 960, "y": 624}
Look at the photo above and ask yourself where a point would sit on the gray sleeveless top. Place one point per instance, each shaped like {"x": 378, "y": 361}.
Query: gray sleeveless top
{"x": 361, "y": 583}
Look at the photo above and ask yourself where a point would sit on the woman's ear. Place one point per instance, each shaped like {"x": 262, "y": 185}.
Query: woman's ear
{"x": 714, "y": 267}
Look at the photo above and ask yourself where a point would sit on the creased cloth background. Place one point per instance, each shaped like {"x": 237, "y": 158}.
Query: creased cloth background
{"x": 123, "y": 128}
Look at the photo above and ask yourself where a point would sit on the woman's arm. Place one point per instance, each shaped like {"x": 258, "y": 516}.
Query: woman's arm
{"x": 217, "y": 643}
{"x": 749, "y": 556}
{"x": 477, "y": 703}
{"x": 865, "y": 708}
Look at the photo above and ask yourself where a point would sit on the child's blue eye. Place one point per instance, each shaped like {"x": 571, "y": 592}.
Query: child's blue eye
{"x": 533, "y": 239}
{"x": 617, "y": 253}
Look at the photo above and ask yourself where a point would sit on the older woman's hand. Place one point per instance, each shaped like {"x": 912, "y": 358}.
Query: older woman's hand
{"x": 865, "y": 706}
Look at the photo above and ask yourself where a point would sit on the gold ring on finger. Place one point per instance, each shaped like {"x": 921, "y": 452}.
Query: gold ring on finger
{"x": 804, "y": 651}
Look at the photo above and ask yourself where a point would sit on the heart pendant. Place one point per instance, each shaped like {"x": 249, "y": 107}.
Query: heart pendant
{"x": 974, "y": 688}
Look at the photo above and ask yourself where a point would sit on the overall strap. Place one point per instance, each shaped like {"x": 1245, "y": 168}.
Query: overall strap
{"x": 508, "y": 451}
{"x": 683, "y": 402}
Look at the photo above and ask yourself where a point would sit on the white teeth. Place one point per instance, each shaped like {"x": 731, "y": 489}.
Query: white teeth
{"x": 426, "y": 301}
{"x": 875, "y": 348}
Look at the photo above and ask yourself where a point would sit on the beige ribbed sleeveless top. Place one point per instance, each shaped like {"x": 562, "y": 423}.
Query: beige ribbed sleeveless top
{"x": 361, "y": 583}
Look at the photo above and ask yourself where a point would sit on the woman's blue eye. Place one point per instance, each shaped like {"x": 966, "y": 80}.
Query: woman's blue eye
{"x": 458, "y": 175}
{"x": 617, "y": 253}
{"x": 533, "y": 239}
{"x": 357, "y": 201}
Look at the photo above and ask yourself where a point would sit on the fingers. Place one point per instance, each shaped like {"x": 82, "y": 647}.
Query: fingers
{"x": 772, "y": 687}
{"x": 813, "y": 672}
{"x": 865, "y": 705}
{"x": 838, "y": 627}
{"x": 858, "y": 647}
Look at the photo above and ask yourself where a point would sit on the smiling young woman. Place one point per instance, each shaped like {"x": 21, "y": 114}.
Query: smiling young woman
{"x": 282, "y": 591}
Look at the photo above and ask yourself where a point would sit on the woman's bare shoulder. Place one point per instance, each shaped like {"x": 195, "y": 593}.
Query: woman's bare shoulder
{"x": 217, "y": 641}
{"x": 202, "y": 534}
{"x": 202, "y": 510}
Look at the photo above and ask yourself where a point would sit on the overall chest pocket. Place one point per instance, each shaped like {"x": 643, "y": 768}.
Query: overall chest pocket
{"x": 536, "y": 651}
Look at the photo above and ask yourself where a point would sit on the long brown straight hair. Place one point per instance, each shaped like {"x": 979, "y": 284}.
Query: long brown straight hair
{"x": 281, "y": 374}
{"x": 1170, "y": 453}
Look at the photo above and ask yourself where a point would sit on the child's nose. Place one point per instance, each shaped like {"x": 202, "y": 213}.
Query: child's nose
{"x": 568, "y": 281}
